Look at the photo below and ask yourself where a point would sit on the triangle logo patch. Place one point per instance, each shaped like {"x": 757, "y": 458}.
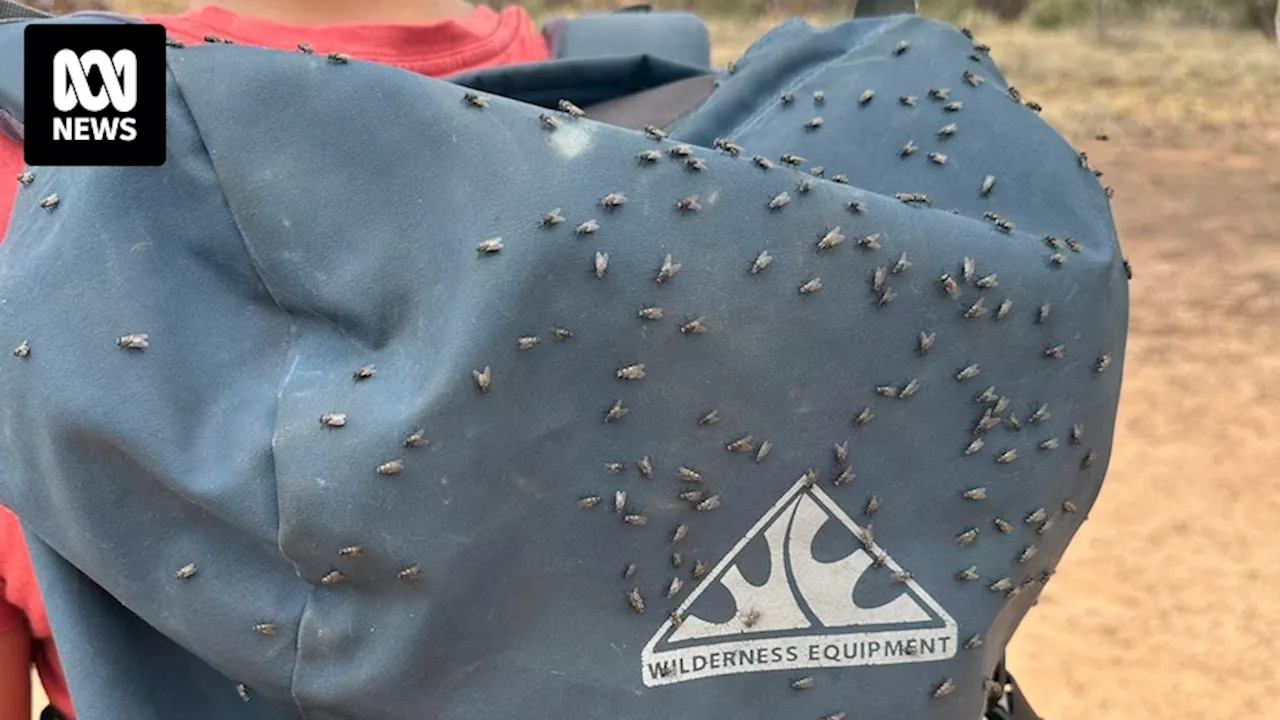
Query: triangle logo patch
{"x": 803, "y": 613}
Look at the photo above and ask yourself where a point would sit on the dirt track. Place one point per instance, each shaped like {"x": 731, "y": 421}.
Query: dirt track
{"x": 1166, "y": 607}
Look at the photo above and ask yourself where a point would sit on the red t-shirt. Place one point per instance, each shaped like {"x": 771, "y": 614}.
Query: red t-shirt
{"x": 20, "y": 603}
{"x": 485, "y": 38}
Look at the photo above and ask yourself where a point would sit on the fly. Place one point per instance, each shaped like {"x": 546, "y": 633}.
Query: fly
{"x": 134, "y": 341}
{"x": 570, "y": 109}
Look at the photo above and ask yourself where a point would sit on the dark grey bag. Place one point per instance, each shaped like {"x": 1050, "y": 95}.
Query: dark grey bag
{"x": 466, "y": 407}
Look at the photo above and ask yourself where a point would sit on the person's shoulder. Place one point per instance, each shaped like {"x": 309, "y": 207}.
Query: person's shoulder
{"x": 20, "y": 602}
{"x": 11, "y": 540}
{"x": 10, "y": 166}
{"x": 13, "y": 549}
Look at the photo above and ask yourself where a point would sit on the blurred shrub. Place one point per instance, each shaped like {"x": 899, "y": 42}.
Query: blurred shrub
{"x": 1054, "y": 14}
{"x": 1007, "y": 10}
{"x": 949, "y": 10}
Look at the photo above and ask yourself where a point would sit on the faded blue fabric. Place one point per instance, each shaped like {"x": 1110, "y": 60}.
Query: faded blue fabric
{"x": 294, "y": 236}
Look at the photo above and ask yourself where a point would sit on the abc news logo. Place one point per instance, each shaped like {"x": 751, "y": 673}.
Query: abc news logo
{"x": 94, "y": 94}
{"x": 71, "y": 91}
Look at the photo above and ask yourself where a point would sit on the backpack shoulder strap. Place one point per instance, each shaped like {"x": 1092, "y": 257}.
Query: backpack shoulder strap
{"x": 11, "y": 27}
{"x": 678, "y": 37}
{"x": 880, "y": 8}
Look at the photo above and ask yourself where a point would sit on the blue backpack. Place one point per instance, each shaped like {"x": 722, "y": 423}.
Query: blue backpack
{"x": 771, "y": 392}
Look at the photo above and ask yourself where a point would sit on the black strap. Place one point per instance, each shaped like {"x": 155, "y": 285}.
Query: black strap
{"x": 659, "y": 107}
{"x": 880, "y": 8}
{"x": 10, "y": 10}
{"x": 1008, "y": 703}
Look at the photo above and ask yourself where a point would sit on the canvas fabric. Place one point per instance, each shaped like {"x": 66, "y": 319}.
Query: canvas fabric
{"x": 876, "y": 405}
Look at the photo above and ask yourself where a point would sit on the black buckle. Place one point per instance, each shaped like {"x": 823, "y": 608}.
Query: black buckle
{"x": 1005, "y": 701}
